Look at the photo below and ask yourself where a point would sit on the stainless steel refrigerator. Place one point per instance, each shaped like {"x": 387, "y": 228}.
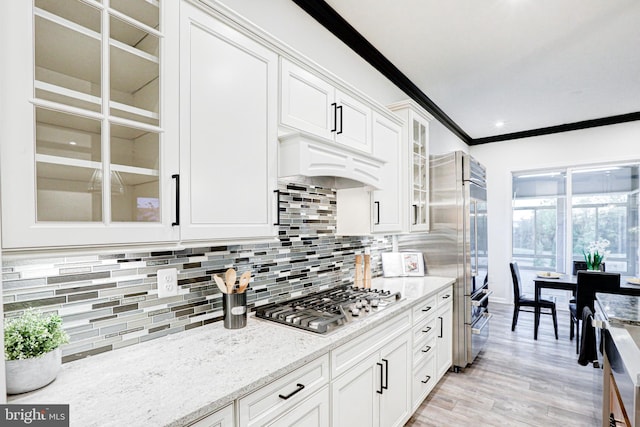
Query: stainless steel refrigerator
{"x": 456, "y": 246}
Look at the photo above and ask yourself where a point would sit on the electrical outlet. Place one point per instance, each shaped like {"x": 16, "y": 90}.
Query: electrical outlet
{"x": 167, "y": 282}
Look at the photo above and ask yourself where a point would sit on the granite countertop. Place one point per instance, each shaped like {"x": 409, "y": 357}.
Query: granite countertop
{"x": 179, "y": 378}
{"x": 620, "y": 309}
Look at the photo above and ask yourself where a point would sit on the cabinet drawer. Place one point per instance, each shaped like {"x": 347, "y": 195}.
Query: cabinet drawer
{"x": 220, "y": 418}
{"x": 425, "y": 350}
{"x": 353, "y": 352}
{"x": 423, "y": 331}
{"x": 445, "y": 296}
{"x": 423, "y": 380}
{"x": 281, "y": 395}
{"x": 425, "y": 309}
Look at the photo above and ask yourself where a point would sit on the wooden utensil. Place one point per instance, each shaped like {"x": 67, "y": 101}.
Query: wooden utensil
{"x": 244, "y": 281}
{"x": 230, "y": 278}
{"x": 220, "y": 283}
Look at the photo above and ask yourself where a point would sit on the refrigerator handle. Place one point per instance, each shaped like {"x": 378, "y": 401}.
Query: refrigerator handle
{"x": 475, "y": 228}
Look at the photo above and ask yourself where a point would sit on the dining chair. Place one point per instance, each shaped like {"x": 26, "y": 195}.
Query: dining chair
{"x": 582, "y": 265}
{"x": 589, "y": 282}
{"x": 520, "y": 300}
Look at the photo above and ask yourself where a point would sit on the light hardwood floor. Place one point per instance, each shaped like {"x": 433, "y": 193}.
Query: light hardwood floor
{"x": 517, "y": 381}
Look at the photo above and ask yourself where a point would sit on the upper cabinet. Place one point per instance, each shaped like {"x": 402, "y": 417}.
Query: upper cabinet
{"x": 415, "y": 164}
{"x": 86, "y": 142}
{"x": 386, "y": 203}
{"x": 228, "y": 130}
{"x": 311, "y": 104}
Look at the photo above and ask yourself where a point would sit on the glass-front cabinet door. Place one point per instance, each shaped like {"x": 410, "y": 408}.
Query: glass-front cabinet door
{"x": 420, "y": 185}
{"x": 86, "y": 159}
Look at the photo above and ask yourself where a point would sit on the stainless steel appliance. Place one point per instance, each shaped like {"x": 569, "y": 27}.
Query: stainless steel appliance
{"x": 456, "y": 246}
{"x": 324, "y": 311}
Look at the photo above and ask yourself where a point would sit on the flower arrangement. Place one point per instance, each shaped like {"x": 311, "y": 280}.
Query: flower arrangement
{"x": 597, "y": 252}
{"x": 32, "y": 335}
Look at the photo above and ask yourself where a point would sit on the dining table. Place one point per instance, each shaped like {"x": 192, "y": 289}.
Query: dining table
{"x": 569, "y": 282}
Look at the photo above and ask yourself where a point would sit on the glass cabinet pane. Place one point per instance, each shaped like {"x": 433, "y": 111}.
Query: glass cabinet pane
{"x": 134, "y": 94}
{"x": 144, "y": 11}
{"x": 68, "y": 76}
{"x": 135, "y": 189}
{"x": 67, "y": 158}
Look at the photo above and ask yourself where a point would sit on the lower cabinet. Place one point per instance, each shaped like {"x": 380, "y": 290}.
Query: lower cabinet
{"x": 313, "y": 412}
{"x": 222, "y": 418}
{"x": 376, "y": 379}
{"x": 432, "y": 333}
{"x": 376, "y": 391}
{"x": 444, "y": 337}
{"x": 281, "y": 401}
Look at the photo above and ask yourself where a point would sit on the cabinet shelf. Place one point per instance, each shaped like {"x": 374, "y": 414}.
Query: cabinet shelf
{"x": 82, "y": 170}
{"x": 54, "y": 34}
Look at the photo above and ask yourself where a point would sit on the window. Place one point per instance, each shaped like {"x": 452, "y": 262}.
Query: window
{"x": 556, "y": 214}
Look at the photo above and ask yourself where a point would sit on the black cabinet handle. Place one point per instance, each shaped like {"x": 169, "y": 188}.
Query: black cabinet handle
{"x": 446, "y": 296}
{"x": 415, "y": 214}
{"x": 278, "y": 207}
{"x": 297, "y": 390}
{"x": 378, "y": 212}
{"x": 441, "y": 326}
{"x": 381, "y": 373}
{"x": 426, "y": 330}
{"x": 426, "y": 349}
{"x": 340, "y": 108}
{"x": 386, "y": 374}
{"x": 427, "y": 308}
{"x": 335, "y": 117}
{"x": 177, "y": 178}
{"x": 426, "y": 380}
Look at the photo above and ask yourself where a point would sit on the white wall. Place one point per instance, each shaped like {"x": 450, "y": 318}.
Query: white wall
{"x": 585, "y": 147}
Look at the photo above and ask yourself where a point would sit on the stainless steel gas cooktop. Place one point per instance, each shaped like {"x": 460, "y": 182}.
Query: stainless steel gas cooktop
{"x": 324, "y": 311}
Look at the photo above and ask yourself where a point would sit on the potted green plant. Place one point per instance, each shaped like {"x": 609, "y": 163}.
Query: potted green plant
{"x": 595, "y": 254}
{"x": 32, "y": 350}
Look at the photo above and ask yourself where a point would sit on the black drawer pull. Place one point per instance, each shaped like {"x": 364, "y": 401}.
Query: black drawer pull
{"x": 426, "y": 380}
{"x": 297, "y": 390}
{"x": 277, "y": 192}
{"x": 177, "y": 178}
{"x": 335, "y": 117}
{"x": 427, "y": 308}
{"x": 446, "y": 296}
{"x": 427, "y": 330}
{"x": 426, "y": 349}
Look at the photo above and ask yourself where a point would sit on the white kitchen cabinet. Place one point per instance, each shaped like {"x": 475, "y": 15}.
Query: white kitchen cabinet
{"x": 222, "y": 418}
{"x": 386, "y": 202}
{"x": 228, "y": 132}
{"x": 432, "y": 337}
{"x": 313, "y": 412}
{"x": 311, "y": 104}
{"x": 74, "y": 113}
{"x": 444, "y": 337}
{"x": 415, "y": 164}
{"x": 370, "y": 383}
{"x": 282, "y": 401}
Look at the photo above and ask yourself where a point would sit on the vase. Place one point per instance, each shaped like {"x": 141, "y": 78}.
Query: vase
{"x": 25, "y": 375}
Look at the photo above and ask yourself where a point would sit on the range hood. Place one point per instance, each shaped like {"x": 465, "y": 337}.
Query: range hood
{"x": 316, "y": 159}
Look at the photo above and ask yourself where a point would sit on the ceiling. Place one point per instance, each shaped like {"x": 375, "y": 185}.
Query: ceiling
{"x": 537, "y": 66}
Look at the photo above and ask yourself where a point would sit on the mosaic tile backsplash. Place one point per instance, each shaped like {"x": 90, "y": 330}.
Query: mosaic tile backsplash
{"x": 110, "y": 300}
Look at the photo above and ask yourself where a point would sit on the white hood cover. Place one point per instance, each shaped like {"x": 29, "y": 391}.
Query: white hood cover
{"x": 307, "y": 155}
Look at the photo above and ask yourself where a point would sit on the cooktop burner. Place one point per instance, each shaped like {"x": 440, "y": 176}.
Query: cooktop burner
{"x": 324, "y": 311}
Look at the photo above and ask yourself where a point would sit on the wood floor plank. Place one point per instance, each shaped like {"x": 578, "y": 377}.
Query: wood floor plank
{"x": 518, "y": 381}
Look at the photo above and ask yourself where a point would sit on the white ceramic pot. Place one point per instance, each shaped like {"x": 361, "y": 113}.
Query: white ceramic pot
{"x": 30, "y": 374}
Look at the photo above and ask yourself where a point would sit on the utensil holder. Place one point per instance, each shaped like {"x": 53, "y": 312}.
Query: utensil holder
{"x": 234, "y": 307}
